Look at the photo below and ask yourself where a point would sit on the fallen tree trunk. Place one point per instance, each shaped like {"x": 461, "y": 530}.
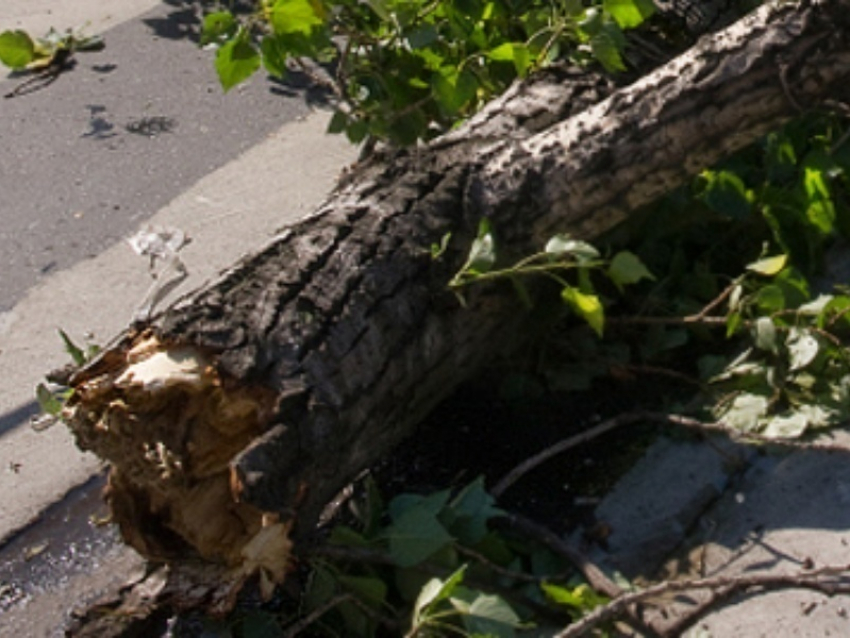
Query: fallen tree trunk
{"x": 233, "y": 418}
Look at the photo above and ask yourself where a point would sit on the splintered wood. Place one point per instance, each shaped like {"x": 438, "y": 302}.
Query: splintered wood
{"x": 170, "y": 425}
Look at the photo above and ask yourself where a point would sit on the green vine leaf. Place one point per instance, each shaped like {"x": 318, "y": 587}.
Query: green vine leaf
{"x": 489, "y": 615}
{"x": 745, "y": 412}
{"x": 803, "y": 348}
{"x": 236, "y": 61}
{"x": 765, "y": 334}
{"x": 725, "y": 193}
{"x": 769, "y": 266}
{"x": 786, "y": 426}
{"x": 416, "y": 533}
{"x": 49, "y": 402}
{"x": 17, "y": 49}
{"x": 217, "y": 27}
{"x": 564, "y": 245}
{"x": 434, "y": 592}
{"x": 626, "y": 268}
{"x": 482, "y": 253}
{"x": 586, "y": 306}
{"x": 629, "y": 13}
{"x": 295, "y": 16}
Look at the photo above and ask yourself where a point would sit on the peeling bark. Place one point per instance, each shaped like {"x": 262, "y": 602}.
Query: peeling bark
{"x": 232, "y": 418}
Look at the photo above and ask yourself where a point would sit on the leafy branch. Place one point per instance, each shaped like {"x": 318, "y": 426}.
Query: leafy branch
{"x": 436, "y": 62}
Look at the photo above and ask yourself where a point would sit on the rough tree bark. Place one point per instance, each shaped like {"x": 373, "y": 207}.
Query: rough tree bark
{"x": 231, "y": 419}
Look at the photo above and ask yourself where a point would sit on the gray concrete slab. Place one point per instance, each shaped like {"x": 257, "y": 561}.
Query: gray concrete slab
{"x": 680, "y": 506}
{"x": 653, "y": 508}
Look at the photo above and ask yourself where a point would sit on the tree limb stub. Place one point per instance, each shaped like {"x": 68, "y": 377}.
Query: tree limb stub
{"x": 243, "y": 409}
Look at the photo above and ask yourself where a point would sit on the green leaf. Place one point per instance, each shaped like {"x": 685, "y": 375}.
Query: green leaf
{"x": 218, "y": 26}
{"x": 816, "y": 306}
{"x": 295, "y": 16}
{"x": 368, "y": 588}
{"x": 605, "y": 49}
{"x": 380, "y": 9}
{"x": 582, "y": 598}
{"x": 77, "y": 354}
{"x": 338, "y": 122}
{"x": 592, "y": 22}
{"x": 725, "y": 193}
{"x": 626, "y": 268}
{"x": 586, "y": 306}
{"x": 261, "y": 624}
{"x": 16, "y": 49}
{"x": 344, "y": 535}
{"x": 768, "y": 266}
{"x": 502, "y": 53}
{"x": 770, "y": 299}
{"x": 423, "y": 36}
{"x": 482, "y": 254}
{"x": 236, "y": 61}
{"x": 765, "y": 334}
{"x": 803, "y": 347}
{"x": 472, "y": 508}
{"x": 491, "y": 616}
{"x": 454, "y": 89}
{"x": 745, "y": 412}
{"x": 416, "y": 533}
{"x": 815, "y": 184}
{"x": 561, "y": 245}
{"x": 515, "y": 52}
{"x": 629, "y": 13}
{"x": 275, "y": 53}
{"x": 357, "y": 131}
{"x": 734, "y": 321}
{"x": 435, "y": 591}
{"x": 821, "y": 215}
{"x": 48, "y": 402}
{"x": 321, "y": 586}
{"x": 788, "y": 426}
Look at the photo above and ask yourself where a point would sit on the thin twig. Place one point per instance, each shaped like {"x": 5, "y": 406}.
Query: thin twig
{"x": 660, "y": 371}
{"x": 521, "y": 577}
{"x": 714, "y": 303}
{"x": 828, "y": 580}
{"x": 378, "y": 557}
{"x": 594, "y": 576}
{"x": 317, "y": 613}
{"x": 562, "y": 446}
{"x": 627, "y": 418}
{"x": 543, "y": 535}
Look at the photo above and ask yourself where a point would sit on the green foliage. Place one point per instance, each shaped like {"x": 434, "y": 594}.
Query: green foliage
{"x": 580, "y": 598}
{"x": 795, "y": 373}
{"x": 440, "y": 601}
{"x": 20, "y": 51}
{"x": 448, "y": 532}
{"x": 561, "y": 255}
{"x": 409, "y": 69}
{"x": 237, "y": 60}
{"x": 51, "y": 399}
{"x": 17, "y": 49}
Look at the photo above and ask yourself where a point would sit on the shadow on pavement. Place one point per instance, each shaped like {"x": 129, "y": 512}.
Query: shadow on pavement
{"x": 184, "y": 20}
{"x": 18, "y": 416}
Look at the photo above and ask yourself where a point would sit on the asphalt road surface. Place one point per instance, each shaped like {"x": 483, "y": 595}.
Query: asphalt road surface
{"x": 84, "y": 160}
